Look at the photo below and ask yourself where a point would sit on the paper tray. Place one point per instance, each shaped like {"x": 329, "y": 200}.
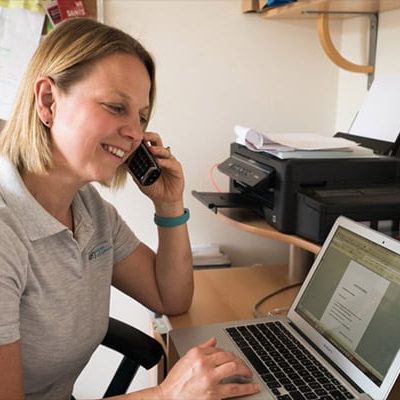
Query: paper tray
{"x": 215, "y": 200}
{"x": 317, "y": 210}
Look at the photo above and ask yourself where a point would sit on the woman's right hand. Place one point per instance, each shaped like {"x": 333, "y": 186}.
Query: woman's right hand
{"x": 199, "y": 374}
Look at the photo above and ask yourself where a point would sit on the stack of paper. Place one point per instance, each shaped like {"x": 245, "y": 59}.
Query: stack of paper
{"x": 299, "y": 145}
{"x": 208, "y": 256}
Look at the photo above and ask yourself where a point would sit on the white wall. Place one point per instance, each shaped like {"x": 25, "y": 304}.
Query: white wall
{"x": 218, "y": 67}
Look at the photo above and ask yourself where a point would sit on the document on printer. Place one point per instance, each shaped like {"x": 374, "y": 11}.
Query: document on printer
{"x": 378, "y": 117}
{"x": 291, "y": 141}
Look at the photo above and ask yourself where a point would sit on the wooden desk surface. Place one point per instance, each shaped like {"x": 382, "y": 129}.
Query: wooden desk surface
{"x": 230, "y": 294}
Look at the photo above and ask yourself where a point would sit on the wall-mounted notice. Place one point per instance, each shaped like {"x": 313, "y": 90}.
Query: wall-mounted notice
{"x": 20, "y": 32}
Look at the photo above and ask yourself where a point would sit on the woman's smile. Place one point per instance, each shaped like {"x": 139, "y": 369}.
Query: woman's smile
{"x": 116, "y": 151}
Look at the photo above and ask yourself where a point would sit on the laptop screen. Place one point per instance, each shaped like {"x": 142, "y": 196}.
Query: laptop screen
{"x": 353, "y": 301}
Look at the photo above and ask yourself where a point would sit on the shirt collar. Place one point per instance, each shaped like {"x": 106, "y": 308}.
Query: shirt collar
{"x": 83, "y": 221}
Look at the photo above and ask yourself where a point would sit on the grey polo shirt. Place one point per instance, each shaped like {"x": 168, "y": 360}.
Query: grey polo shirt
{"x": 55, "y": 287}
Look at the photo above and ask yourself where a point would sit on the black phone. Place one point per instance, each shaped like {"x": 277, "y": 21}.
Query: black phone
{"x": 143, "y": 166}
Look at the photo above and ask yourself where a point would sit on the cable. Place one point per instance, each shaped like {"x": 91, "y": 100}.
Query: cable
{"x": 211, "y": 177}
{"x": 258, "y": 314}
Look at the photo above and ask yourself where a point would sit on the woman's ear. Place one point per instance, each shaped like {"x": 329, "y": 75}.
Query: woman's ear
{"x": 44, "y": 94}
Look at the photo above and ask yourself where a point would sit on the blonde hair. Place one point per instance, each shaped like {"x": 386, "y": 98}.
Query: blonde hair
{"x": 65, "y": 55}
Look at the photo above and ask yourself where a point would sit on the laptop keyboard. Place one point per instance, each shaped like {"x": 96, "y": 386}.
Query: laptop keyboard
{"x": 286, "y": 366}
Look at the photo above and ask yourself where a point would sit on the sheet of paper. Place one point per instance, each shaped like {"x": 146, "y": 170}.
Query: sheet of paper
{"x": 290, "y": 141}
{"x": 379, "y": 116}
{"x": 20, "y": 32}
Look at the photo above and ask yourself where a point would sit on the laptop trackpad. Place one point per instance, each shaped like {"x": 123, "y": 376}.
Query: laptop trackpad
{"x": 186, "y": 338}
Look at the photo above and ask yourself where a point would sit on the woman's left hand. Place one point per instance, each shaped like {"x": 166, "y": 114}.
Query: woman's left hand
{"x": 168, "y": 188}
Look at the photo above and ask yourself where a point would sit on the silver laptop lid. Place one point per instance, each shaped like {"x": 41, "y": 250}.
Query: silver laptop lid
{"x": 349, "y": 305}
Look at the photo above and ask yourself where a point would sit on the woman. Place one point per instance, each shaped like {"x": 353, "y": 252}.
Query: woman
{"x": 82, "y": 110}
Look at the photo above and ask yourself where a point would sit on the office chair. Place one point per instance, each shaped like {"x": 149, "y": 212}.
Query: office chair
{"x": 138, "y": 349}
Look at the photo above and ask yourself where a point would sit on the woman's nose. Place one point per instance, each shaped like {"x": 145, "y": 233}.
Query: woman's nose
{"x": 132, "y": 131}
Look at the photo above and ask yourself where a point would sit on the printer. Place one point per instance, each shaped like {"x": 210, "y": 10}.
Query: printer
{"x": 304, "y": 196}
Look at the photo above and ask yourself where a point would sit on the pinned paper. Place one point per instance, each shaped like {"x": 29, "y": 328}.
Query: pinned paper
{"x": 31, "y": 5}
{"x": 20, "y": 32}
{"x": 59, "y": 10}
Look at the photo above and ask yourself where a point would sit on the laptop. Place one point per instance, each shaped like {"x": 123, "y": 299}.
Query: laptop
{"x": 341, "y": 337}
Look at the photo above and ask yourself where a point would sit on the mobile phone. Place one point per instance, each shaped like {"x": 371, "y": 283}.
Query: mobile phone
{"x": 143, "y": 166}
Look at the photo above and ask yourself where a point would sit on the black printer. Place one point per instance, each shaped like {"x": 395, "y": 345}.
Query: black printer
{"x": 305, "y": 196}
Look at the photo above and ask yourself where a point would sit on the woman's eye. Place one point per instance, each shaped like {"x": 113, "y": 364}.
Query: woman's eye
{"x": 115, "y": 108}
{"x": 143, "y": 119}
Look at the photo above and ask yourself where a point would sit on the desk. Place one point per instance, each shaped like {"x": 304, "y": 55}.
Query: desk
{"x": 301, "y": 250}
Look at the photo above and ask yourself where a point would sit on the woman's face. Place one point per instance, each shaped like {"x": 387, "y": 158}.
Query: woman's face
{"x": 99, "y": 121}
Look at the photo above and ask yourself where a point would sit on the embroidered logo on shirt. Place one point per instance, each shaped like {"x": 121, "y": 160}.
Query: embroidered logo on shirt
{"x": 99, "y": 250}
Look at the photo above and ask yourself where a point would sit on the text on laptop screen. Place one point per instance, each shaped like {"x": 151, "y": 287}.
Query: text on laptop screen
{"x": 353, "y": 300}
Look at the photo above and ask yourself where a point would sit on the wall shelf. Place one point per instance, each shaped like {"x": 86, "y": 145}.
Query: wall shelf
{"x": 308, "y": 8}
{"x": 323, "y": 10}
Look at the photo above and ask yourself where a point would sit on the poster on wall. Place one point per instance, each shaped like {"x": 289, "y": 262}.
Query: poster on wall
{"x": 20, "y": 32}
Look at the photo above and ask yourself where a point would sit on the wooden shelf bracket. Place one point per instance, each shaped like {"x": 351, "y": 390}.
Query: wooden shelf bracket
{"x": 337, "y": 58}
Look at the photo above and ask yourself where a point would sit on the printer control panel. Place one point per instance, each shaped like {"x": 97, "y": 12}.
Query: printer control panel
{"x": 247, "y": 172}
